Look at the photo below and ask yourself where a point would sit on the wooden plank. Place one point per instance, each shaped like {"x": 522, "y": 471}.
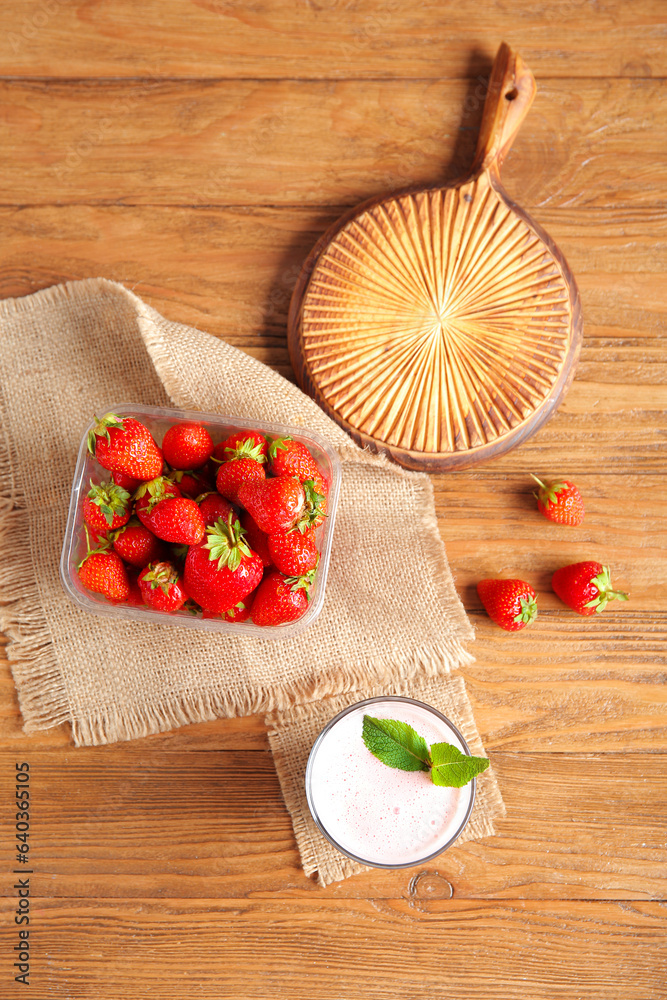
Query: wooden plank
{"x": 555, "y": 688}
{"x": 587, "y": 143}
{"x": 369, "y": 38}
{"x": 119, "y": 822}
{"x": 232, "y": 271}
{"x": 491, "y": 527}
{"x": 334, "y": 949}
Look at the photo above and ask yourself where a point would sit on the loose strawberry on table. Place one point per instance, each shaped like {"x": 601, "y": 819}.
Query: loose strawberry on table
{"x": 123, "y": 444}
{"x": 161, "y": 587}
{"x": 222, "y": 569}
{"x": 585, "y": 587}
{"x": 281, "y": 599}
{"x": 511, "y": 604}
{"x": 187, "y": 446}
{"x": 560, "y": 502}
{"x": 106, "y": 506}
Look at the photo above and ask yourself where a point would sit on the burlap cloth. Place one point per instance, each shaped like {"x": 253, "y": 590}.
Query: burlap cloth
{"x": 392, "y": 621}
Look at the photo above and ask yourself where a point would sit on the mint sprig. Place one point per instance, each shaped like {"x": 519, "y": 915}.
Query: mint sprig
{"x": 397, "y": 745}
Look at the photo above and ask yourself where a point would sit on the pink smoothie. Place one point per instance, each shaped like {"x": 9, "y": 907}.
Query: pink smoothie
{"x": 381, "y": 815}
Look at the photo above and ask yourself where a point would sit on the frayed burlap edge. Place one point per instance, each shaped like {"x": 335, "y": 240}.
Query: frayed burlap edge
{"x": 293, "y": 732}
{"x": 39, "y": 682}
{"x": 43, "y": 697}
{"x": 157, "y": 717}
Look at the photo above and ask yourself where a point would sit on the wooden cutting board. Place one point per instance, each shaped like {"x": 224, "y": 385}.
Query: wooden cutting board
{"x": 441, "y": 326}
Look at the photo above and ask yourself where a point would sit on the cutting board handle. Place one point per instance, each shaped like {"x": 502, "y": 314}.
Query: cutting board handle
{"x": 511, "y": 91}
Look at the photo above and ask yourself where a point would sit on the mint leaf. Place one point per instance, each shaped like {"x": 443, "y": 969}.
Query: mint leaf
{"x": 396, "y": 744}
{"x": 452, "y": 768}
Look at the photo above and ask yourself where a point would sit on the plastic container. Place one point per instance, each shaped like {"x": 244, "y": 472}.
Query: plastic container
{"x": 158, "y": 420}
{"x": 375, "y": 814}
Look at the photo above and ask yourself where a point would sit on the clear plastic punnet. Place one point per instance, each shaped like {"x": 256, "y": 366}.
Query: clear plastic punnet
{"x": 158, "y": 420}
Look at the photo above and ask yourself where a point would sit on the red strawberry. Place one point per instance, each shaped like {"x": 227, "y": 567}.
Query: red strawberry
{"x": 275, "y": 504}
{"x": 106, "y": 507}
{"x": 127, "y": 482}
{"x": 291, "y": 458}
{"x": 316, "y": 504}
{"x": 136, "y": 545}
{"x": 174, "y": 518}
{"x": 241, "y": 610}
{"x": 123, "y": 444}
{"x": 134, "y": 598}
{"x": 232, "y": 475}
{"x": 242, "y": 444}
{"x": 177, "y": 519}
{"x": 187, "y": 446}
{"x": 509, "y": 603}
{"x": 214, "y": 507}
{"x": 293, "y": 552}
{"x": 280, "y": 599}
{"x": 585, "y": 587}
{"x": 560, "y": 502}
{"x": 191, "y": 484}
{"x": 221, "y": 570}
{"x": 148, "y": 494}
{"x": 161, "y": 587}
{"x": 257, "y": 540}
{"x": 102, "y": 571}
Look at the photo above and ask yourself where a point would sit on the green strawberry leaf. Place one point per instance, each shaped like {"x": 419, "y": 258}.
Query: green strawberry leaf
{"x": 226, "y": 543}
{"x": 101, "y": 429}
{"x": 452, "y": 768}
{"x": 396, "y": 744}
{"x": 247, "y": 448}
{"x": 277, "y": 443}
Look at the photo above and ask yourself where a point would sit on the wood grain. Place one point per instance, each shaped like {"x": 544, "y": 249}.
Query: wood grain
{"x": 336, "y": 949}
{"x": 232, "y": 272}
{"x": 214, "y": 38}
{"x": 321, "y": 143}
{"x": 196, "y": 151}
{"x": 579, "y": 826}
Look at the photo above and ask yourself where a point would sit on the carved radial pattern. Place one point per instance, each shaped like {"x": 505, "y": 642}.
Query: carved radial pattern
{"x": 437, "y": 321}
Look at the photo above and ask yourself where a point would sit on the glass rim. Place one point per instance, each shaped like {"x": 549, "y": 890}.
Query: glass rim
{"x": 404, "y": 699}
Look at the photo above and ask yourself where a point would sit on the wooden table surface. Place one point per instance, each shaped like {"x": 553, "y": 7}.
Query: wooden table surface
{"x": 195, "y": 151}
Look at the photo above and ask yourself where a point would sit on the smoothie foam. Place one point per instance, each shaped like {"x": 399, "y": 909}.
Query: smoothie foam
{"x": 379, "y": 814}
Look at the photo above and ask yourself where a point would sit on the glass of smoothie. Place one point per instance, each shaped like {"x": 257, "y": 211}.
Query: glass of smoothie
{"x": 379, "y": 815}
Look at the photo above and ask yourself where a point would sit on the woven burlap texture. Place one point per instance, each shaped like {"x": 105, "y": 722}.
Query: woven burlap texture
{"x": 391, "y": 613}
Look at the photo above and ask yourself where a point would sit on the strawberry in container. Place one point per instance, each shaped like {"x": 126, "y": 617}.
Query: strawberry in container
{"x": 245, "y": 549}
